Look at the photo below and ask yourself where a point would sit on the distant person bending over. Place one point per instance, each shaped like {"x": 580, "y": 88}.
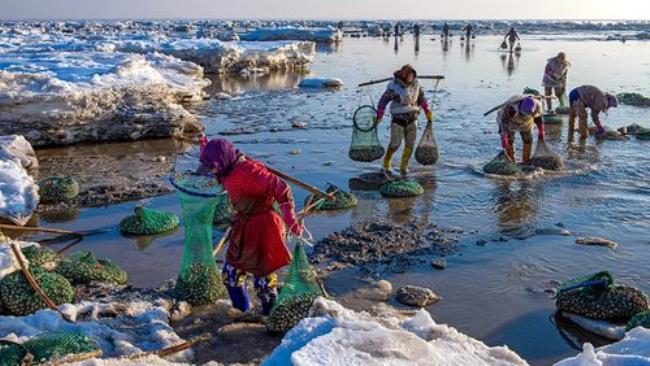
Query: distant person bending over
{"x": 555, "y": 76}
{"x": 511, "y": 37}
{"x": 588, "y": 96}
{"x": 405, "y": 96}
{"x": 520, "y": 113}
{"x": 257, "y": 240}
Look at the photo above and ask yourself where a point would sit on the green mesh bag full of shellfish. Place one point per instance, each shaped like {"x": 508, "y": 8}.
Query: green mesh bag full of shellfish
{"x": 298, "y": 294}
{"x": 145, "y": 221}
{"x": 199, "y": 281}
{"x": 365, "y": 146}
{"x": 83, "y": 268}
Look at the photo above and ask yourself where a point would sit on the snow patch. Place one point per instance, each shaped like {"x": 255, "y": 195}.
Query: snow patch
{"x": 120, "y": 329}
{"x": 8, "y": 261}
{"x": 633, "y": 350}
{"x": 17, "y": 149}
{"x": 334, "y": 335}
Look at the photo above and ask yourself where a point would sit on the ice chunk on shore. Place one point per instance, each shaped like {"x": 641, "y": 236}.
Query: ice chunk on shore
{"x": 119, "y": 328}
{"x": 327, "y": 35}
{"x": 226, "y": 57}
{"x": 18, "y": 193}
{"x": 321, "y": 83}
{"x": 633, "y": 350}
{"x": 66, "y": 97}
{"x": 338, "y": 336}
{"x": 18, "y": 150}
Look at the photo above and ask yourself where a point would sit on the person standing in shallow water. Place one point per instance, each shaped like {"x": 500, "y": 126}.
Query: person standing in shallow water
{"x": 256, "y": 244}
{"x": 511, "y": 37}
{"x": 520, "y": 113}
{"x": 555, "y": 77}
{"x": 406, "y": 97}
{"x": 588, "y": 96}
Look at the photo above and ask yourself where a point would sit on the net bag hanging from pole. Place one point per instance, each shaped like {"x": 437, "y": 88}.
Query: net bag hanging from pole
{"x": 298, "y": 294}
{"x": 199, "y": 281}
{"x": 365, "y": 146}
{"x": 426, "y": 152}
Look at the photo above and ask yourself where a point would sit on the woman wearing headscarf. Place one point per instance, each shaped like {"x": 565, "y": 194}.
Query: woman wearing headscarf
{"x": 555, "y": 75}
{"x": 257, "y": 240}
{"x": 406, "y": 97}
{"x": 520, "y": 113}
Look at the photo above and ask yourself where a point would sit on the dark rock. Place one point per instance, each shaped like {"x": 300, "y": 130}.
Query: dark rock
{"x": 439, "y": 264}
{"x": 416, "y": 296}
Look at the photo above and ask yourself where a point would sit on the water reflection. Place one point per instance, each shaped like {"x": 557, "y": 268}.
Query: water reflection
{"x": 516, "y": 204}
{"x": 236, "y": 84}
{"x": 417, "y": 46}
{"x": 329, "y": 48}
{"x": 510, "y": 62}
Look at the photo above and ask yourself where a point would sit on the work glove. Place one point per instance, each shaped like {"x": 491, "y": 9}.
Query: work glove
{"x": 429, "y": 116}
{"x": 376, "y": 120}
{"x": 504, "y": 140}
{"x": 540, "y": 132}
{"x": 600, "y": 130}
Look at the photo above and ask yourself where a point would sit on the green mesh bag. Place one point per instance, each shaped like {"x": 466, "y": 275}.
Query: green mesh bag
{"x": 145, "y": 221}
{"x": 365, "y": 146}
{"x": 641, "y": 319}
{"x": 58, "y": 189}
{"x": 552, "y": 119}
{"x": 401, "y": 188}
{"x": 56, "y": 345}
{"x": 532, "y": 91}
{"x": 342, "y": 200}
{"x": 643, "y": 133}
{"x": 545, "y": 158}
{"x": 298, "y": 294}
{"x": 615, "y": 303}
{"x": 83, "y": 268}
{"x": 199, "y": 281}
{"x": 592, "y": 283}
{"x": 41, "y": 257}
{"x": 13, "y": 354}
{"x": 19, "y": 298}
{"x": 224, "y": 211}
{"x": 501, "y": 165}
{"x": 633, "y": 99}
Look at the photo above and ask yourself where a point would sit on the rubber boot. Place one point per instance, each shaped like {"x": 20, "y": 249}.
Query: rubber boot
{"x": 388, "y": 159}
{"x": 404, "y": 164}
{"x": 511, "y": 153}
{"x": 526, "y": 153}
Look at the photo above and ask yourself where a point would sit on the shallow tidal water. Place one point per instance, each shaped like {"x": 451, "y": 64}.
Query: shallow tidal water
{"x": 493, "y": 292}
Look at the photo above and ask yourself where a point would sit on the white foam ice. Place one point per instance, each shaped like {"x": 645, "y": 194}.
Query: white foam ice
{"x": 18, "y": 193}
{"x": 120, "y": 329}
{"x": 633, "y": 350}
{"x": 326, "y": 34}
{"x": 334, "y": 335}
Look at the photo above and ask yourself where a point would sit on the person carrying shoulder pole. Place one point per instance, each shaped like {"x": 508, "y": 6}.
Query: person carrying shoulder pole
{"x": 588, "y": 96}
{"x": 406, "y": 97}
{"x": 512, "y": 36}
{"x": 520, "y": 113}
{"x": 555, "y": 76}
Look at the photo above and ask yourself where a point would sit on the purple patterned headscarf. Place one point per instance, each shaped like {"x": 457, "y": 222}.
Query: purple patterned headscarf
{"x": 221, "y": 155}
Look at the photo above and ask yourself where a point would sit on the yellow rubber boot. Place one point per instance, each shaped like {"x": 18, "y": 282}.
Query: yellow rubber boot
{"x": 511, "y": 153}
{"x": 526, "y": 153}
{"x": 388, "y": 158}
{"x": 404, "y": 164}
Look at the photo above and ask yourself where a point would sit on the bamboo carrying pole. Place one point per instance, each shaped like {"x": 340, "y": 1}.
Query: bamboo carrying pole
{"x": 428, "y": 77}
{"x": 174, "y": 349}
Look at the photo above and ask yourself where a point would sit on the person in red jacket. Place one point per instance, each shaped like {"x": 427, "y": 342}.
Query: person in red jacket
{"x": 257, "y": 240}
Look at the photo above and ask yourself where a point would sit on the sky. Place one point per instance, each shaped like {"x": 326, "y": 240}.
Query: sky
{"x": 325, "y": 9}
